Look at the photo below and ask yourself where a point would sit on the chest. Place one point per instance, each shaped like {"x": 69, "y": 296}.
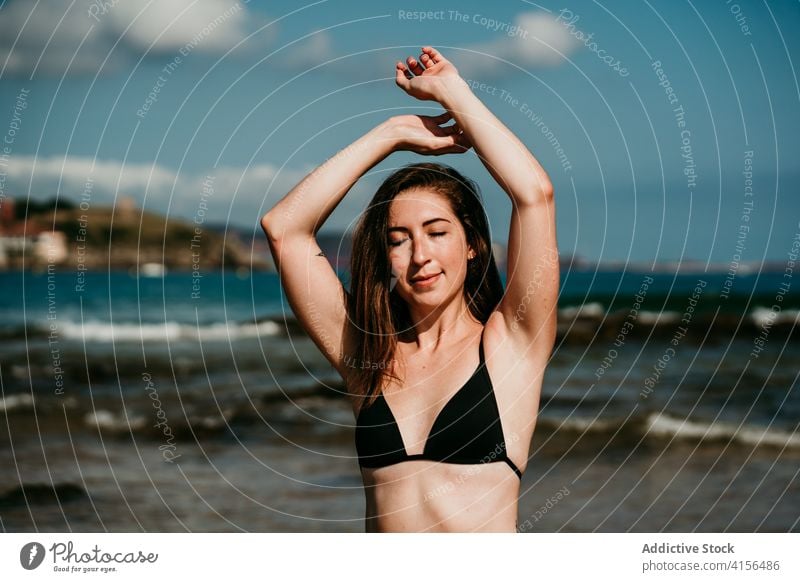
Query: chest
{"x": 433, "y": 397}
{"x": 423, "y": 395}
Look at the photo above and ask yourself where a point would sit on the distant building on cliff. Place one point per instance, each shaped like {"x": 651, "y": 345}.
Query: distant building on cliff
{"x": 28, "y": 241}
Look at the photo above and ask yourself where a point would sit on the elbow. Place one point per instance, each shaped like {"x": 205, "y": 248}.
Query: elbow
{"x": 540, "y": 193}
{"x": 544, "y": 188}
{"x": 534, "y": 189}
{"x": 266, "y": 222}
{"x": 270, "y": 226}
{"x": 280, "y": 223}
{"x": 547, "y": 190}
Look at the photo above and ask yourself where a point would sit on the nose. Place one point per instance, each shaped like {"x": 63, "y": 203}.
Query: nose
{"x": 419, "y": 255}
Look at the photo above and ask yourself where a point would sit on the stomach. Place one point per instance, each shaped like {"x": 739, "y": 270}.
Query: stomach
{"x": 427, "y": 496}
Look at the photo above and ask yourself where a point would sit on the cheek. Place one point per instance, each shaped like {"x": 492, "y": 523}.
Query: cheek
{"x": 454, "y": 253}
{"x": 398, "y": 262}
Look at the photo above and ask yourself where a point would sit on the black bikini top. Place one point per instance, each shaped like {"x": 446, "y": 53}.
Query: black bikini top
{"x": 468, "y": 429}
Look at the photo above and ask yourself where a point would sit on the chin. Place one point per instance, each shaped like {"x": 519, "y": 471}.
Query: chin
{"x": 431, "y": 299}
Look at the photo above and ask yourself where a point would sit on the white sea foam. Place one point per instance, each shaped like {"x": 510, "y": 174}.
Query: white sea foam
{"x": 587, "y": 310}
{"x": 109, "y": 421}
{"x": 662, "y": 425}
{"x": 597, "y": 311}
{"x": 169, "y": 331}
{"x": 764, "y": 317}
{"x": 658, "y": 317}
{"x": 16, "y": 402}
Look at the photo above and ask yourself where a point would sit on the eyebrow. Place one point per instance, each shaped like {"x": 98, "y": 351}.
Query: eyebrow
{"x": 426, "y": 223}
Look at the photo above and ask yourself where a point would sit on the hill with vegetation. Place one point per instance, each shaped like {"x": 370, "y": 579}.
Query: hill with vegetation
{"x": 125, "y": 236}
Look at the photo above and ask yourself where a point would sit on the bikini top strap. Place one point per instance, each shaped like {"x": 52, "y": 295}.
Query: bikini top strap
{"x": 480, "y": 352}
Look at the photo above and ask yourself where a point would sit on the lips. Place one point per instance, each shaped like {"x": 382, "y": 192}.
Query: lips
{"x": 422, "y": 281}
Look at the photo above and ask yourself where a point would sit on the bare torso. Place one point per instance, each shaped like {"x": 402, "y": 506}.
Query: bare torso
{"x": 422, "y": 495}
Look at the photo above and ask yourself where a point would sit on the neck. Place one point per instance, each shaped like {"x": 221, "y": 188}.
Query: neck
{"x": 441, "y": 324}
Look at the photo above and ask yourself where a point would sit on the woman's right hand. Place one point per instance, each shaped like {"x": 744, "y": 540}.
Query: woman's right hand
{"x": 431, "y": 75}
{"x": 425, "y": 135}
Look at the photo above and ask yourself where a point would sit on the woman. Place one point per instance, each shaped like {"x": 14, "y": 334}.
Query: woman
{"x": 443, "y": 369}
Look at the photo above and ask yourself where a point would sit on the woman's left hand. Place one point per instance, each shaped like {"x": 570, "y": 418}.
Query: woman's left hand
{"x": 426, "y": 79}
{"x": 425, "y": 135}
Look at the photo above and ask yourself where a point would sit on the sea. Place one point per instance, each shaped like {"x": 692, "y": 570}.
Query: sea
{"x": 174, "y": 402}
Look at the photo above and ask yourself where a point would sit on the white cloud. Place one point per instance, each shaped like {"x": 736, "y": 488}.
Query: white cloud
{"x": 44, "y": 174}
{"x": 546, "y": 44}
{"x": 46, "y": 36}
{"x": 307, "y": 53}
{"x": 539, "y": 41}
{"x": 168, "y": 26}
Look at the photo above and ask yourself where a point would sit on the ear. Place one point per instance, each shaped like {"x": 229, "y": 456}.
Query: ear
{"x": 471, "y": 254}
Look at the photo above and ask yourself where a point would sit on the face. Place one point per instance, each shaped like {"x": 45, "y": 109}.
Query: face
{"x": 428, "y": 248}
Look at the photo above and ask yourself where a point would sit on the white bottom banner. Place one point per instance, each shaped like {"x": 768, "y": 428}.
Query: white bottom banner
{"x": 389, "y": 557}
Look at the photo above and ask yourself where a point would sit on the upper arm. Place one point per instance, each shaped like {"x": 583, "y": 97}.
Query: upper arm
{"x": 315, "y": 294}
{"x": 529, "y": 306}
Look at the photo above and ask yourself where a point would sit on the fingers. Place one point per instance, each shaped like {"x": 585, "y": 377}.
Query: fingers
{"x": 433, "y": 54}
{"x": 451, "y": 129}
{"x": 444, "y": 131}
{"x": 442, "y": 117}
{"x": 452, "y": 149}
{"x": 402, "y": 76}
{"x": 463, "y": 140}
{"x": 455, "y": 143}
{"x": 439, "y": 145}
{"x": 433, "y": 122}
{"x": 429, "y": 57}
{"x": 414, "y": 65}
{"x": 434, "y": 125}
{"x": 400, "y": 66}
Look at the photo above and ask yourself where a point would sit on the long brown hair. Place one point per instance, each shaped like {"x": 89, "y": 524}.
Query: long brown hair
{"x": 377, "y": 313}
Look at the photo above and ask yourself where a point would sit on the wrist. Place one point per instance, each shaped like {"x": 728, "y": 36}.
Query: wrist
{"x": 386, "y": 138}
{"x": 451, "y": 89}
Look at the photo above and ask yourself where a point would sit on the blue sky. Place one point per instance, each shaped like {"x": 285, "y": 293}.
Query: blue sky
{"x": 274, "y": 88}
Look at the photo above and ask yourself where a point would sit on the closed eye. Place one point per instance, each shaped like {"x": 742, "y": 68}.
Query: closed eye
{"x": 399, "y": 242}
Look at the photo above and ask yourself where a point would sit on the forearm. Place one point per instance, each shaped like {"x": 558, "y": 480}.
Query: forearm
{"x": 506, "y": 158}
{"x": 309, "y": 204}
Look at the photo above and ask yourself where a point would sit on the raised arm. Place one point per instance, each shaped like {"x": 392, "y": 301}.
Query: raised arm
{"x": 313, "y": 289}
{"x": 530, "y": 303}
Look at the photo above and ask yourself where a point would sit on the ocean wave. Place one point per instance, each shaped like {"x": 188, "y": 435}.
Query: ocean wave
{"x": 16, "y": 403}
{"x": 661, "y": 425}
{"x": 578, "y": 318}
{"x": 170, "y": 331}
{"x": 596, "y": 313}
{"x": 107, "y": 420}
{"x": 587, "y": 310}
{"x": 24, "y": 403}
{"x": 183, "y": 427}
{"x": 314, "y": 407}
{"x": 657, "y": 425}
{"x": 764, "y": 317}
{"x": 656, "y": 318}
